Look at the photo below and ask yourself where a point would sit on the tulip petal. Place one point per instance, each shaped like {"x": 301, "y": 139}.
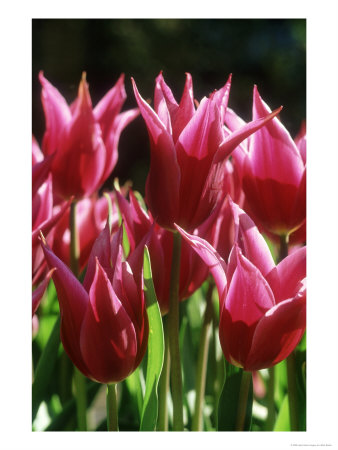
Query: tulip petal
{"x": 211, "y": 258}
{"x": 164, "y": 175}
{"x": 221, "y": 97}
{"x": 235, "y": 138}
{"x": 290, "y": 272}
{"x": 250, "y": 240}
{"x": 278, "y": 333}
{"x": 73, "y": 301}
{"x": 273, "y": 153}
{"x": 57, "y": 115}
{"x": 109, "y": 106}
{"x": 108, "y": 339}
{"x": 39, "y": 292}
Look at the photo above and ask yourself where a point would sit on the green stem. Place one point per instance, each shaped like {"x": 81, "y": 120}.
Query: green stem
{"x": 290, "y": 361}
{"x": 80, "y": 397}
{"x": 283, "y": 247}
{"x": 79, "y": 379}
{"x": 271, "y": 400}
{"x": 111, "y": 402}
{"x": 243, "y": 400}
{"x": 163, "y": 388}
{"x": 201, "y": 371}
{"x": 173, "y": 324}
{"x": 292, "y": 392}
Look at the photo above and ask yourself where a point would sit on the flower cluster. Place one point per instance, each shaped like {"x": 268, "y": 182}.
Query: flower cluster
{"x": 224, "y": 185}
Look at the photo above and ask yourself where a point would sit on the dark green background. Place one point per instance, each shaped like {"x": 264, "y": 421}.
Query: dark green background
{"x": 268, "y": 52}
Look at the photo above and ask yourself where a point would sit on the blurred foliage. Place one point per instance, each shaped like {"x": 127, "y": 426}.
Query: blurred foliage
{"x": 266, "y": 52}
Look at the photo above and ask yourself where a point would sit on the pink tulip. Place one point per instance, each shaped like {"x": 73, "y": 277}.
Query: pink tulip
{"x": 91, "y": 217}
{"x": 104, "y": 324}
{"x": 83, "y": 140}
{"x": 262, "y": 306}
{"x": 188, "y": 152}
{"x": 273, "y": 173}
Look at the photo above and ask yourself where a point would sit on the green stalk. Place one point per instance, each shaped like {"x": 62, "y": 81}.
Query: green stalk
{"x": 111, "y": 402}
{"x": 79, "y": 379}
{"x": 173, "y": 324}
{"x": 271, "y": 400}
{"x": 292, "y": 392}
{"x": 163, "y": 387}
{"x": 201, "y": 371}
{"x": 290, "y": 361}
{"x": 243, "y": 400}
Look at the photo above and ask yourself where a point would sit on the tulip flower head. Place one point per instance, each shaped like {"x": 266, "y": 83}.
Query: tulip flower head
{"x": 104, "y": 324}
{"x": 262, "y": 306}
{"x": 83, "y": 139}
{"x": 273, "y": 173}
{"x": 188, "y": 152}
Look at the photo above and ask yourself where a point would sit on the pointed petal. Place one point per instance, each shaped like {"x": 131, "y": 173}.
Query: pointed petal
{"x": 164, "y": 175}
{"x": 211, "y": 258}
{"x": 38, "y": 293}
{"x": 278, "y": 333}
{"x": 112, "y": 140}
{"x": 186, "y": 109}
{"x": 57, "y": 115}
{"x": 109, "y": 106}
{"x": 290, "y": 273}
{"x": 250, "y": 240}
{"x": 73, "y": 301}
{"x": 100, "y": 251}
{"x": 221, "y": 97}
{"x": 40, "y": 171}
{"x": 273, "y": 153}
{"x": 235, "y": 138}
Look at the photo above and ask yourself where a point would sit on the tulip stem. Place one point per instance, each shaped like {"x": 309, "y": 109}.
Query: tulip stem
{"x": 271, "y": 400}
{"x": 173, "y": 324}
{"x": 163, "y": 388}
{"x": 243, "y": 400}
{"x": 111, "y": 402}
{"x": 290, "y": 361}
{"x": 80, "y": 397}
{"x": 283, "y": 246}
{"x": 79, "y": 379}
{"x": 201, "y": 371}
{"x": 292, "y": 392}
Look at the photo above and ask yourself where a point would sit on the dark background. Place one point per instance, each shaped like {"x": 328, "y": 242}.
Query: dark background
{"x": 268, "y": 52}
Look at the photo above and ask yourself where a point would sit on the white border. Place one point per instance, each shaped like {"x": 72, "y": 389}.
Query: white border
{"x": 322, "y": 125}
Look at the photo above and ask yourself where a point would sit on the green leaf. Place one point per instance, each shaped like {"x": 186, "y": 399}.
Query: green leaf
{"x": 155, "y": 350}
{"x": 134, "y": 386}
{"x": 283, "y": 419}
{"x": 230, "y": 399}
{"x": 45, "y": 367}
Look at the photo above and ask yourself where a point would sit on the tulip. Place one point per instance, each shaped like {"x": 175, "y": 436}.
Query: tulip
{"x": 273, "y": 173}
{"x": 91, "y": 216}
{"x": 262, "y": 306}
{"x": 193, "y": 272}
{"x": 83, "y": 140}
{"x": 43, "y": 217}
{"x": 104, "y": 324}
{"x": 188, "y": 151}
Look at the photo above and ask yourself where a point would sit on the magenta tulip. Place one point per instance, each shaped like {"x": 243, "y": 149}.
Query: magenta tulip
{"x": 262, "y": 306}
{"x": 188, "y": 152}
{"x": 273, "y": 173}
{"x": 83, "y": 140}
{"x": 104, "y": 324}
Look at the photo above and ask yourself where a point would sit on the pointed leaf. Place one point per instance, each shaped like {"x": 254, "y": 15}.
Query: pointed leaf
{"x": 155, "y": 350}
